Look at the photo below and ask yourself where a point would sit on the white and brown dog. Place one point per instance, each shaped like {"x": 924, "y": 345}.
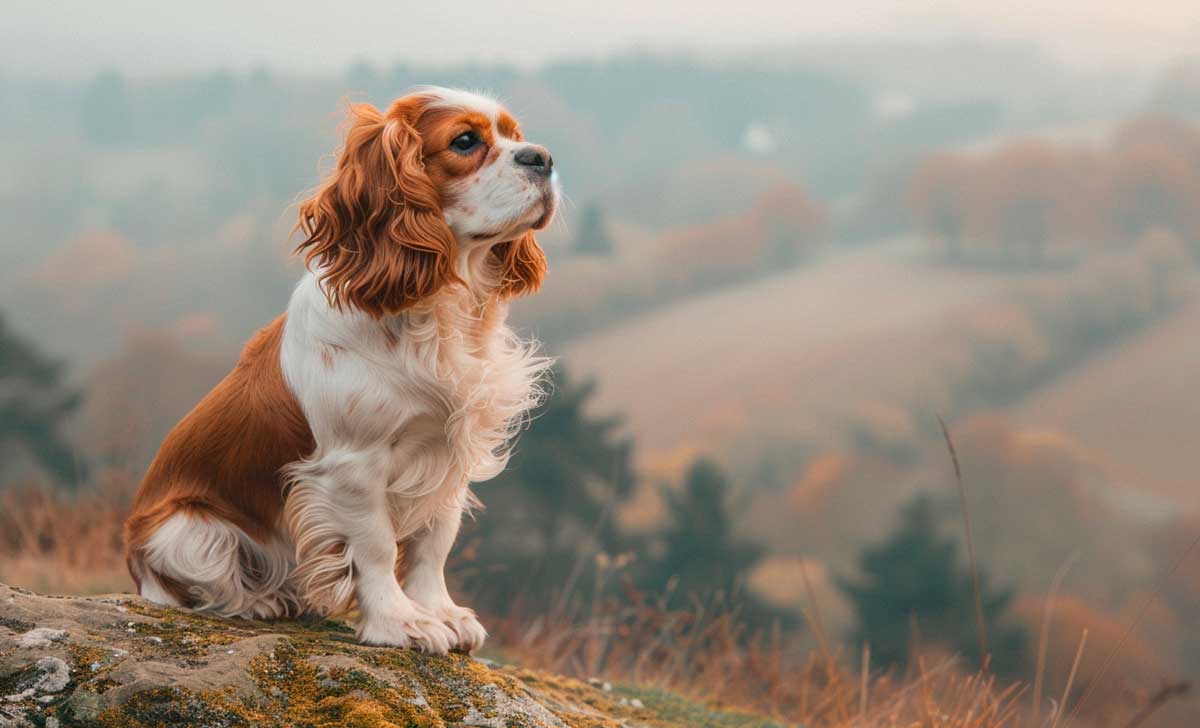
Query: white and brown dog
{"x": 333, "y": 464}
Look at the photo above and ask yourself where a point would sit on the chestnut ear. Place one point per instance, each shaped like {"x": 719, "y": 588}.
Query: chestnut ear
{"x": 374, "y": 229}
{"x": 522, "y": 265}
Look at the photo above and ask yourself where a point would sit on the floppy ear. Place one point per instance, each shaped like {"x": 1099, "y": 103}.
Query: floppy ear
{"x": 374, "y": 228}
{"x": 522, "y": 265}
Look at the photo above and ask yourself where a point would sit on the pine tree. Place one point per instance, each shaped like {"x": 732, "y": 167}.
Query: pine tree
{"x": 34, "y": 405}
{"x": 552, "y": 510}
{"x": 702, "y": 551}
{"x": 593, "y": 237}
{"x": 913, "y": 578}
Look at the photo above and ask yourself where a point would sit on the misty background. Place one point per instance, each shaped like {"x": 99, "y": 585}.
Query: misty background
{"x": 794, "y": 237}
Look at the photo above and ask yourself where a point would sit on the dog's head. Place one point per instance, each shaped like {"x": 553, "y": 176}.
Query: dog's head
{"x": 442, "y": 178}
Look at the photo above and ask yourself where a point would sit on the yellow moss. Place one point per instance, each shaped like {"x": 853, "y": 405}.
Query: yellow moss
{"x": 299, "y": 693}
{"x": 356, "y": 713}
{"x": 421, "y": 691}
{"x": 89, "y": 662}
{"x": 569, "y": 690}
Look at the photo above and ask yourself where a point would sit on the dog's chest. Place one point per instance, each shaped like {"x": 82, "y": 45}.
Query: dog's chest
{"x": 459, "y": 387}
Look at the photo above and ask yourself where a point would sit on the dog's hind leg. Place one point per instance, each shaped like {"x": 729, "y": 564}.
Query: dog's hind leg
{"x": 199, "y": 560}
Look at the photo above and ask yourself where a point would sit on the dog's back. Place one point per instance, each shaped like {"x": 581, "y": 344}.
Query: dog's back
{"x": 197, "y": 535}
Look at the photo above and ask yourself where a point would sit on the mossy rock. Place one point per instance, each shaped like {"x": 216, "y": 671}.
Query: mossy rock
{"x": 135, "y": 665}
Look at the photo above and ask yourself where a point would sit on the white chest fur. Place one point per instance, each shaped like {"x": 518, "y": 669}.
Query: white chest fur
{"x": 420, "y": 404}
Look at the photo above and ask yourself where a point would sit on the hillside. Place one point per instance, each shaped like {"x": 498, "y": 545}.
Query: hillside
{"x": 1151, "y": 382}
{"x": 792, "y": 355}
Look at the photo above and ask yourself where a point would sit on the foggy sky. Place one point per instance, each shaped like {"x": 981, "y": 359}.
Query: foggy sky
{"x": 76, "y": 38}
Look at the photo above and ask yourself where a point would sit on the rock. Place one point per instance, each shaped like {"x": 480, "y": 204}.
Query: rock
{"x": 47, "y": 676}
{"x": 40, "y": 637}
{"x": 121, "y": 662}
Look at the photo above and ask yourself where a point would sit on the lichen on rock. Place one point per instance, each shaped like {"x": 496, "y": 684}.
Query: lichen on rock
{"x": 121, "y": 662}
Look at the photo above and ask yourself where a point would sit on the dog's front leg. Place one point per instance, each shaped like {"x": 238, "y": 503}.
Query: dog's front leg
{"x": 425, "y": 576}
{"x": 389, "y": 615}
{"x": 339, "y": 518}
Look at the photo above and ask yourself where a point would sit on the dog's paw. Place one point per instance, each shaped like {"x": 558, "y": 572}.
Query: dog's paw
{"x": 411, "y": 629}
{"x": 469, "y": 633}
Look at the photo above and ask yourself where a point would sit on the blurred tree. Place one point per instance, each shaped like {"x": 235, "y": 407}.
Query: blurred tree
{"x": 34, "y": 404}
{"x": 1155, "y": 184}
{"x": 792, "y": 225}
{"x": 938, "y": 202}
{"x": 550, "y": 512}
{"x": 104, "y": 110}
{"x": 1033, "y": 202}
{"x": 1177, "y": 92}
{"x": 593, "y": 237}
{"x": 362, "y": 77}
{"x": 702, "y": 550}
{"x": 1022, "y": 187}
{"x": 782, "y": 228}
{"x": 913, "y": 577}
{"x": 136, "y": 396}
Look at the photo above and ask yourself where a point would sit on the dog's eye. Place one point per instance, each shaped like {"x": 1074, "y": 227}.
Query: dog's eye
{"x": 465, "y": 142}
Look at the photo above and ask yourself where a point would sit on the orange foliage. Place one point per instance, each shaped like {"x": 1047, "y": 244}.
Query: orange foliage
{"x": 136, "y": 396}
{"x": 781, "y": 228}
{"x": 1006, "y": 469}
{"x": 1155, "y": 184}
{"x": 1036, "y": 200}
{"x": 824, "y": 474}
{"x": 1135, "y": 666}
{"x": 92, "y": 259}
{"x": 840, "y": 501}
{"x": 938, "y": 200}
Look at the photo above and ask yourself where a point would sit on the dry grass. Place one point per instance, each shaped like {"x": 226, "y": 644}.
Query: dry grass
{"x": 704, "y": 652}
{"x": 65, "y": 543}
{"x": 71, "y": 543}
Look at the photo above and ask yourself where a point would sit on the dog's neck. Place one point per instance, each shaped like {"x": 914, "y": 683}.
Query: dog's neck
{"x": 471, "y": 310}
{"x": 476, "y": 266}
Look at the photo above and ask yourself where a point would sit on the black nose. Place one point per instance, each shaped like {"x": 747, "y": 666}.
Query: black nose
{"x": 536, "y": 158}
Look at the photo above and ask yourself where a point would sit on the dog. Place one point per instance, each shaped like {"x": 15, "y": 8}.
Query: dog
{"x": 332, "y": 467}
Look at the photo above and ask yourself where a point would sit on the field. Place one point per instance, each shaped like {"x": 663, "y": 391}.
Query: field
{"x": 791, "y": 356}
{"x": 1150, "y": 381}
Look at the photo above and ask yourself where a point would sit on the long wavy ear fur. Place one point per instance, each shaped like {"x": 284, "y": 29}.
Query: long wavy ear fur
{"x": 374, "y": 228}
{"x": 522, "y": 265}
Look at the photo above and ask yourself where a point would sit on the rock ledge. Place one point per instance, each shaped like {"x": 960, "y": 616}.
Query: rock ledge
{"x": 118, "y": 662}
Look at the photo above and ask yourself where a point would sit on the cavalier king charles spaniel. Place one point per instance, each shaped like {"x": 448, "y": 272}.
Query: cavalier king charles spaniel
{"x": 331, "y": 468}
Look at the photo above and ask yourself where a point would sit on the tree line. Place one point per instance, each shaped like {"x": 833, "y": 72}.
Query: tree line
{"x": 1034, "y": 202}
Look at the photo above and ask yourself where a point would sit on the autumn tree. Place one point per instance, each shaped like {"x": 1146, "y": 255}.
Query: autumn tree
{"x": 782, "y": 227}
{"x": 792, "y": 225}
{"x": 938, "y": 202}
{"x": 1155, "y": 184}
{"x": 1030, "y": 201}
{"x": 138, "y": 394}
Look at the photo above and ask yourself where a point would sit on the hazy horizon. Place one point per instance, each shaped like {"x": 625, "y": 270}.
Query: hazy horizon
{"x": 302, "y": 37}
